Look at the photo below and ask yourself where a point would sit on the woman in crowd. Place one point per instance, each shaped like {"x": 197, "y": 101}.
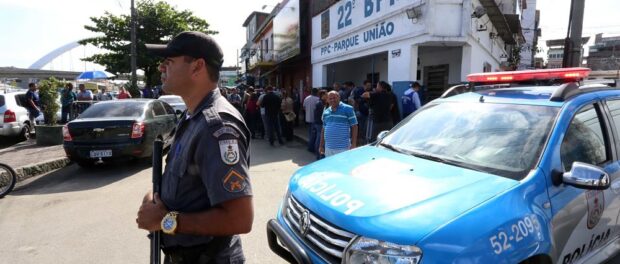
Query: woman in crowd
{"x": 288, "y": 115}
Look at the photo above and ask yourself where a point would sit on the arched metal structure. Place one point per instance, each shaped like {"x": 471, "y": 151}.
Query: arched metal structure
{"x": 52, "y": 55}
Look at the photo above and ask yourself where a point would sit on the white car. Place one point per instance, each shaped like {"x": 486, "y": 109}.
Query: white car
{"x": 14, "y": 121}
{"x": 175, "y": 101}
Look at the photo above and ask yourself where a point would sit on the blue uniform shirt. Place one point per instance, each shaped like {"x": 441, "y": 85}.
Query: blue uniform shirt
{"x": 208, "y": 164}
{"x": 411, "y": 102}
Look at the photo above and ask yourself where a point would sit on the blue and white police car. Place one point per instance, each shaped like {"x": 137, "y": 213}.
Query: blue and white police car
{"x": 523, "y": 168}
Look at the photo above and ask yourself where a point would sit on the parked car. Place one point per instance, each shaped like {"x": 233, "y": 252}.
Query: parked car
{"x": 175, "y": 101}
{"x": 14, "y": 121}
{"x": 112, "y": 130}
{"x": 524, "y": 168}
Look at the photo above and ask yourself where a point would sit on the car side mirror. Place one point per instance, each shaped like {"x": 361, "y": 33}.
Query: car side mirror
{"x": 178, "y": 112}
{"x": 382, "y": 135}
{"x": 586, "y": 176}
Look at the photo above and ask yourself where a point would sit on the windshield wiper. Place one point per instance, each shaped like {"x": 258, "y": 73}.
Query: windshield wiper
{"x": 392, "y": 147}
{"x": 446, "y": 161}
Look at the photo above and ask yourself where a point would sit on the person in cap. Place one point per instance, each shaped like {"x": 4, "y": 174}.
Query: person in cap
{"x": 411, "y": 99}
{"x": 206, "y": 196}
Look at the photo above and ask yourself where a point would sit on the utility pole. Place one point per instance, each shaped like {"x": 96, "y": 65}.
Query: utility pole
{"x": 572, "y": 47}
{"x": 134, "y": 78}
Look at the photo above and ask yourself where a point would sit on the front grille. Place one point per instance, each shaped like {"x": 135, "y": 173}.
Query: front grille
{"x": 325, "y": 239}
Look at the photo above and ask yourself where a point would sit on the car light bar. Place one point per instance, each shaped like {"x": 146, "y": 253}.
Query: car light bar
{"x": 530, "y": 75}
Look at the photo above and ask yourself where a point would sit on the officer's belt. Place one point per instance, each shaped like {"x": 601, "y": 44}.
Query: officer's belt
{"x": 210, "y": 249}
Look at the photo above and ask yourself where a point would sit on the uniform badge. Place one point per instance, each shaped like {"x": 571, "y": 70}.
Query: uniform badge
{"x": 596, "y": 206}
{"x": 226, "y": 130}
{"x": 229, "y": 150}
{"x": 234, "y": 182}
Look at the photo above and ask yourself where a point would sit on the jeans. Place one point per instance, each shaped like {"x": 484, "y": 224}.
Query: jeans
{"x": 312, "y": 135}
{"x": 65, "y": 111}
{"x": 317, "y": 141}
{"x": 331, "y": 152}
{"x": 272, "y": 125}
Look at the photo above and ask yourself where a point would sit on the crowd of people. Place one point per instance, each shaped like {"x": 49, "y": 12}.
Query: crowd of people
{"x": 338, "y": 118}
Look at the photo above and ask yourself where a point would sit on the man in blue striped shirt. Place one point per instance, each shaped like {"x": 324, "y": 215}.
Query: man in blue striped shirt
{"x": 339, "y": 131}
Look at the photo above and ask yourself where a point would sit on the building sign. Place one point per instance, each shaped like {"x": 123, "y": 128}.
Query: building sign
{"x": 359, "y": 23}
{"x": 286, "y": 31}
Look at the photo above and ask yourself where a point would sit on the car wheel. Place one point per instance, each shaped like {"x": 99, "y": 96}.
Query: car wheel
{"x": 25, "y": 133}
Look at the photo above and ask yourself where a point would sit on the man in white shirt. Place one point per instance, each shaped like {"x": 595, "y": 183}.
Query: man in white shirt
{"x": 309, "y": 104}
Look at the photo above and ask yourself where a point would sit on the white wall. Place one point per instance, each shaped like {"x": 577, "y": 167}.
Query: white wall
{"x": 528, "y": 23}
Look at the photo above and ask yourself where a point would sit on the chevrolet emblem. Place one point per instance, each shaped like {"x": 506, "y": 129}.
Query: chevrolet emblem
{"x": 98, "y": 130}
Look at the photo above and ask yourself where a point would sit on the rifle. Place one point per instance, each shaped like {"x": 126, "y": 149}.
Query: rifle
{"x": 158, "y": 146}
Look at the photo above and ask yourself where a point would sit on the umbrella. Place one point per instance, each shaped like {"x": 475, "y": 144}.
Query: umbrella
{"x": 88, "y": 75}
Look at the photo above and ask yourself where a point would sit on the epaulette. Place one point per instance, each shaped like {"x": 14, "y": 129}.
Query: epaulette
{"x": 212, "y": 117}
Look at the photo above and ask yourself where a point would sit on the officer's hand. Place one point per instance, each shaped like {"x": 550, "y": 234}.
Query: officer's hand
{"x": 150, "y": 214}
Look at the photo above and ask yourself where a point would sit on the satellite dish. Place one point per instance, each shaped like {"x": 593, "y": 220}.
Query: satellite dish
{"x": 479, "y": 11}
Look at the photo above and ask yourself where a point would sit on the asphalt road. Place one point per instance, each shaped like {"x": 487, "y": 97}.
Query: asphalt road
{"x": 76, "y": 215}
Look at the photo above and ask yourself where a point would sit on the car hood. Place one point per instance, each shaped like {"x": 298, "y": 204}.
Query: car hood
{"x": 386, "y": 195}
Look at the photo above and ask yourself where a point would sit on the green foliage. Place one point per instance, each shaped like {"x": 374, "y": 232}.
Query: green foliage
{"x": 156, "y": 22}
{"x": 48, "y": 96}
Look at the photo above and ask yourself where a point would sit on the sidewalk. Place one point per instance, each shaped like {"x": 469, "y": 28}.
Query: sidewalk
{"x": 29, "y": 160}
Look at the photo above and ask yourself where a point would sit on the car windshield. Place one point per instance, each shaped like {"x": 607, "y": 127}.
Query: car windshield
{"x": 172, "y": 100}
{"x": 114, "y": 109}
{"x": 502, "y": 139}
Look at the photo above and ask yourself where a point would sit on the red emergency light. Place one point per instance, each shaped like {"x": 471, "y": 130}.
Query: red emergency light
{"x": 530, "y": 75}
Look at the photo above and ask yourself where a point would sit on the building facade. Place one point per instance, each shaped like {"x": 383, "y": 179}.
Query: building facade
{"x": 530, "y": 19}
{"x": 228, "y": 76}
{"x": 278, "y": 52}
{"x": 555, "y": 53}
{"x": 435, "y": 42}
{"x": 604, "y": 55}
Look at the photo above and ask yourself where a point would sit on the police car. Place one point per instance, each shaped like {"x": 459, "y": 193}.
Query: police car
{"x": 523, "y": 168}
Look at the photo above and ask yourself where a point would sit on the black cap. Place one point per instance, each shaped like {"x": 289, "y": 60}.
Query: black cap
{"x": 191, "y": 43}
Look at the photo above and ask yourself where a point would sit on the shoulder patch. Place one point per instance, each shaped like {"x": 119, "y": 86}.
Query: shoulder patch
{"x": 234, "y": 182}
{"x": 226, "y": 130}
{"x": 229, "y": 151}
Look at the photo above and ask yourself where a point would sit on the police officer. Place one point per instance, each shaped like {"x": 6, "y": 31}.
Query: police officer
{"x": 206, "y": 196}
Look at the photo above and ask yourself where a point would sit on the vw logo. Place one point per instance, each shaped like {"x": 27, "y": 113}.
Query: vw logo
{"x": 304, "y": 222}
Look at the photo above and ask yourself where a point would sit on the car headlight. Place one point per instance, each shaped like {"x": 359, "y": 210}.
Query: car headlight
{"x": 368, "y": 250}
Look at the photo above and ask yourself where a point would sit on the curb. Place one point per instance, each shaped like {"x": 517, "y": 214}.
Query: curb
{"x": 36, "y": 169}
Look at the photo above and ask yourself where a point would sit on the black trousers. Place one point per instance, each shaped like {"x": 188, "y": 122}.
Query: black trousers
{"x": 210, "y": 253}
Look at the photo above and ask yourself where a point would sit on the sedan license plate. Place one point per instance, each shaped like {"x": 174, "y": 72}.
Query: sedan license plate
{"x": 101, "y": 153}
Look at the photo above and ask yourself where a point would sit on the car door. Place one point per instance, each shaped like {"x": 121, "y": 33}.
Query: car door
{"x": 171, "y": 121}
{"x": 159, "y": 118}
{"x": 585, "y": 220}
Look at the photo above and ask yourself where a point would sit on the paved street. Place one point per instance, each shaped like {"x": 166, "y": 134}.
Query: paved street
{"x": 75, "y": 215}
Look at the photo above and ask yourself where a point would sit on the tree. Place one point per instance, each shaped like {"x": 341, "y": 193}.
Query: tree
{"x": 48, "y": 95}
{"x": 156, "y": 22}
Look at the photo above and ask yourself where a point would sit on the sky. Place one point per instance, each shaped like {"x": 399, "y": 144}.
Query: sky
{"x": 32, "y": 28}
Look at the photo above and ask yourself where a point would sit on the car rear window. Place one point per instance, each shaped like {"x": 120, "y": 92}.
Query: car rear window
{"x": 114, "y": 109}
{"x": 1, "y": 100}
{"x": 172, "y": 100}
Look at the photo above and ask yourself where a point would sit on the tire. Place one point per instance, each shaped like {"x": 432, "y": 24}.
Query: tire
{"x": 8, "y": 178}
{"x": 24, "y": 134}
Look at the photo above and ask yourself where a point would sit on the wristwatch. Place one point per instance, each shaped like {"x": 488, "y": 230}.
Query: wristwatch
{"x": 169, "y": 223}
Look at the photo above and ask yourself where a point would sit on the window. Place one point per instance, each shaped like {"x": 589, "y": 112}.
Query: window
{"x": 169, "y": 109}
{"x": 614, "y": 110}
{"x": 158, "y": 110}
{"x": 584, "y": 141}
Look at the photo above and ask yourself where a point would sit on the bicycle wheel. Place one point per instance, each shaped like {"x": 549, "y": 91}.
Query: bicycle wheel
{"x": 8, "y": 178}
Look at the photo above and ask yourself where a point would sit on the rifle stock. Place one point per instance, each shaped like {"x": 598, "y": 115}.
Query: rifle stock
{"x": 158, "y": 147}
